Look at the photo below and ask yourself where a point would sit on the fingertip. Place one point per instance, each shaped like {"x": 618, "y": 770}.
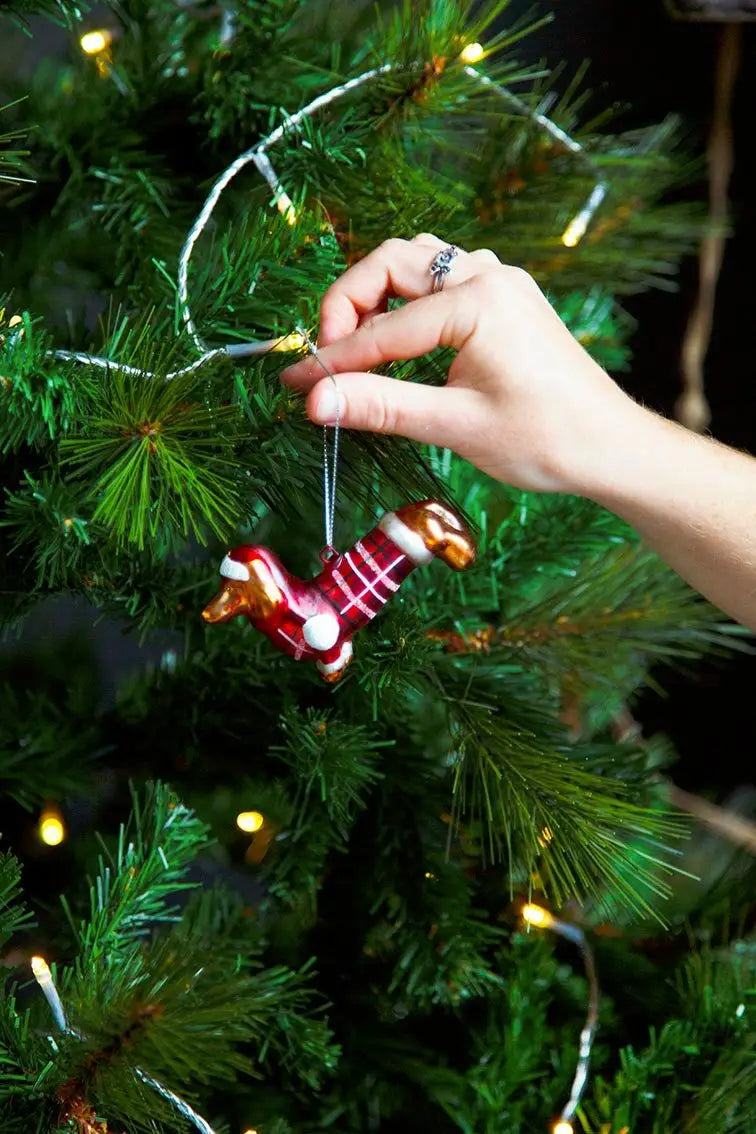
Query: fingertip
{"x": 326, "y": 404}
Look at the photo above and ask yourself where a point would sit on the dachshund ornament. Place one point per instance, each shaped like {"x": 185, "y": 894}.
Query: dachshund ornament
{"x": 316, "y": 619}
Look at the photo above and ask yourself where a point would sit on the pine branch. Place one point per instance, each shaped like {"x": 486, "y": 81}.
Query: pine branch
{"x": 157, "y": 453}
{"x": 553, "y": 808}
{"x": 133, "y": 889}
{"x": 46, "y": 749}
{"x": 65, "y": 13}
{"x": 13, "y": 915}
{"x": 333, "y": 762}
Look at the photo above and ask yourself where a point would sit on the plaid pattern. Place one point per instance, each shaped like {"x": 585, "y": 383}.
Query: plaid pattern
{"x": 353, "y": 586}
{"x": 358, "y": 583}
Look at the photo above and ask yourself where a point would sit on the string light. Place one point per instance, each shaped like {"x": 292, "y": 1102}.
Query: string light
{"x": 577, "y": 227}
{"x": 286, "y": 208}
{"x": 541, "y": 918}
{"x": 293, "y": 341}
{"x": 472, "y": 53}
{"x": 46, "y": 982}
{"x": 257, "y": 155}
{"x": 44, "y": 979}
{"x": 536, "y": 915}
{"x": 51, "y": 828}
{"x": 94, "y": 42}
{"x": 250, "y": 821}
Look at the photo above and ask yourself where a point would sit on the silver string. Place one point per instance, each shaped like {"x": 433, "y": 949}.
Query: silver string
{"x": 46, "y": 982}
{"x": 330, "y": 466}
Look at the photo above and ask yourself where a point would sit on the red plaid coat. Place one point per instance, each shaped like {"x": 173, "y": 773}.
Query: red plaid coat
{"x": 352, "y": 588}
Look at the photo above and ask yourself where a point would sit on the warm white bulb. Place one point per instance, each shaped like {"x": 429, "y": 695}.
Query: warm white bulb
{"x": 51, "y": 828}
{"x": 536, "y": 915}
{"x": 286, "y": 208}
{"x": 293, "y": 341}
{"x": 41, "y": 970}
{"x": 250, "y": 821}
{"x": 563, "y": 1128}
{"x": 472, "y": 53}
{"x": 93, "y": 42}
{"x": 575, "y": 231}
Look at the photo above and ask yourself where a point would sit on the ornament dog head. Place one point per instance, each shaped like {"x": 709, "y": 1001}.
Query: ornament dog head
{"x": 251, "y": 585}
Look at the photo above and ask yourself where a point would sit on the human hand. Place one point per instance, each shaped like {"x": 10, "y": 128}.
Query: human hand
{"x": 524, "y": 401}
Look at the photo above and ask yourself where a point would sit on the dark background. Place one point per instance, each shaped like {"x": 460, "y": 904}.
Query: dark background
{"x": 650, "y": 65}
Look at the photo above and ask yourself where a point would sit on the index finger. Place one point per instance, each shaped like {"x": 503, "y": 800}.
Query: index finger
{"x": 447, "y": 318}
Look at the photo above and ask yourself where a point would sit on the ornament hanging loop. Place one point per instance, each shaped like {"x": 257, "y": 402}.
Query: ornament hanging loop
{"x": 330, "y": 461}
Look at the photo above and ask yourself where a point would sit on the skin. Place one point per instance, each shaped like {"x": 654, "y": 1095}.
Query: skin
{"x": 527, "y": 404}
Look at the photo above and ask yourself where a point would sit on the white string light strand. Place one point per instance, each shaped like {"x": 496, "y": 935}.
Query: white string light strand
{"x": 537, "y": 916}
{"x": 46, "y": 982}
{"x": 257, "y": 154}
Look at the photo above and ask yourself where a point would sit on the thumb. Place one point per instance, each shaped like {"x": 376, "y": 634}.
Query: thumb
{"x": 381, "y": 404}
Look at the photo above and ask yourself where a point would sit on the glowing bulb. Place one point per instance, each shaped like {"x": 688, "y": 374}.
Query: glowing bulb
{"x": 472, "y": 53}
{"x": 250, "y": 1131}
{"x": 563, "y": 1128}
{"x": 575, "y": 231}
{"x": 51, "y": 828}
{"x": 250, "y": 821}
{"x": 536, "y": 915}
{"x": 429, "y": 874}
{"x": 93, "y": 42}
{"x": 294, "y": 341}
{"x": 41, "y": 970}
{"x": 286, "y": 208}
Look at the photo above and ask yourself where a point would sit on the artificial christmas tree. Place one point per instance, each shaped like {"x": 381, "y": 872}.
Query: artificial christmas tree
{"x": 322, "y": 923}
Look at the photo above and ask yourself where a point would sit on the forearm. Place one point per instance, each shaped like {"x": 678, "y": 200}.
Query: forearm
{"x": 691, "y": 499}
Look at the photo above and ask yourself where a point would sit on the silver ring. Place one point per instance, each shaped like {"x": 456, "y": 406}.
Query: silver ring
{"x": 441, "y": 266}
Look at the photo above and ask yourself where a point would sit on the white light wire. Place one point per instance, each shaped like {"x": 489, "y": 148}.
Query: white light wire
{"x": 257, "y": 154}
{"x": 46, "y": 982}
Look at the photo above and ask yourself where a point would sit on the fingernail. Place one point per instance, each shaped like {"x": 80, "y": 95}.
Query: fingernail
{"x": 329, "y": 406}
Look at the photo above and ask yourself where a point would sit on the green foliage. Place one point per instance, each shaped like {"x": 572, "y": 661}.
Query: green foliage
{"x": 468, "y": 759}
{"x": 10, "y": 159}
{"x": 712, "y": 1040}
{"x": 13, "y": 915}
{"x": 331, "y": 760}
{"x": 135, "y": 883}
{"x": 39, "y": 398}
{"x": 158, "y": 455}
